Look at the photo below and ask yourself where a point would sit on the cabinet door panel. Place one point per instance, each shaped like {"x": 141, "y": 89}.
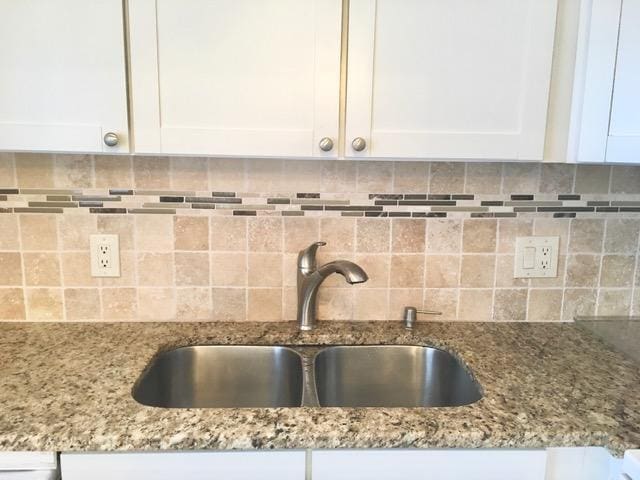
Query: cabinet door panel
{"x": 235, "y": 77}
{"x": 63, "y": 75}
{"x": 450, "y": 79}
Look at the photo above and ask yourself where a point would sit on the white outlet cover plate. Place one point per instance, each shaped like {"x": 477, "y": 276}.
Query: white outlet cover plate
{"x": 536, "y": 257}
{"x": 105, "y": 255}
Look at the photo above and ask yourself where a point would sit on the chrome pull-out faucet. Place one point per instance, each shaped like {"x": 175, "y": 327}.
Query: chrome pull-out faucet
{"x": 310, "y": 277}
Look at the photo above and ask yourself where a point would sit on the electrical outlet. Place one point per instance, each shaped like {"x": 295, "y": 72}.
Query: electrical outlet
{"x": 536, "y": 257}
{"x": 105, "y": 255}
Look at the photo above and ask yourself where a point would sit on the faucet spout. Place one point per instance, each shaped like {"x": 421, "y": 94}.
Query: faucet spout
{"x": 310, "y": 277}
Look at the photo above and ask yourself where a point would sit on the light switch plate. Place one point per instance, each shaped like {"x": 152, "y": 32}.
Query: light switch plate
{"x": 536, "y": 257}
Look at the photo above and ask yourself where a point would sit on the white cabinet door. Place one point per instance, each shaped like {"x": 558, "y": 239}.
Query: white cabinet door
{"x": 281, "y": 465}
{"x": 449, "y": 78}
{"x": 63, "y": 80}
{"x": 235, "y": 77}
{"x": 428, "y": 464}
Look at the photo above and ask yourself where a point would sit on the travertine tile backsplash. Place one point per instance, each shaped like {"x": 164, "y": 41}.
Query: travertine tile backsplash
{"x": 216, "y": 239}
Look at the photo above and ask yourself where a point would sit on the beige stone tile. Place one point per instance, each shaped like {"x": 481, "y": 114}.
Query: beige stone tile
{"x": 504, "y": 273}
{"x": 7, "y": 170}
{"x": 290, "y": 269}
{"x": 557, "y": 281}
{"x": 73, "y": 171}
{"x": 440, "y": 300}
{"x": 479, "y": 236}
{"x": 9, "y": 238}
{"x": 443, "y": 271}
{"x": 578, "y": 302}
{"x": 300, "y": 232}
{"x": 121, "y": 225}
{"x": 44, "y": 304}
{"x": 483, "y": 178}
{"x": 306, "y": 175}
{"x": 339, "y": 176}
{"x": 227, "y": 175}
{"x": 447, "y": 177}
{"x": 545, "y": 305}
{"x": 622, "y": 235}
{"x": 10, "y": 269}
{"x": 444, "y": 236}
{"x": 191, "y": 233}
{"x": 76, "y": 269}
{"x": 335, "y": 303}
{"x": 34, "y": 170}
{"x": 265, "y": 269}
{"x": 113, "y": 171}
{"x": 583, "y": 270}
{"x": 400, "y": 298}
{"x": 407, "y": 271}
{"x": 377, "y": 268}
{"x": 151, "y": 173}
{"x": 371, "y": 304}
{"x": 635, "y": 307}
{"x": 410, "y": 177}
{"x": 375, "y": 177}
{"x": 228, "y": 269}
{"x": 614, "y": 302}
{"x": 188, "y": 173}
{"x": 373, "y": 235}
{"x": 41, "y": 269}
{"x": 75, "y": 230}
{"x": 509, "y": 229}
{"x": 193, "y": 304}
{"x": 553, "y": 227}
{"x": 475, "y": 305}
{"x": 12, "y": 304}
{"x": 155, "y": 269}
{"x": 82, "y": 303}
{"x": 586, "y": 235}
{"x": 39, "y": 232}
{"x": 156, "y": 304}
{"x": 154, "y": 233}
{"x": 625, "y": 179}
{"x": 557, "y": 178}
{"x": 408, "y": 235}
{"x": 119, "y": 303}
{"x": 339, "y": 233}
{"x": 265, "y": 234}
{"x": 478, "y": 271}
{"x": 228, "y": 234}
{"x": 192, "y": 269}
{"x": 510, "y": 305}
{"x": 229, "y": 304}
{"x": 265, "y": 176}
{"x": 127, "y": 276}
{"x": 265, "y": 305}
{"x": 592, "y": 179}
{"x": 290, "y": 304}
{"x": 617, "y": 271}
{"x": 520, "y": 178}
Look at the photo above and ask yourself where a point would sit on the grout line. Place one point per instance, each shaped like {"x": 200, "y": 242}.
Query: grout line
{"x": 599, "y": 285}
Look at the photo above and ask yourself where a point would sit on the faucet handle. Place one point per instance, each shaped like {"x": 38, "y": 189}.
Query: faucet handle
{"x": 307, "y": 257}
{"x": 411, "y": 315}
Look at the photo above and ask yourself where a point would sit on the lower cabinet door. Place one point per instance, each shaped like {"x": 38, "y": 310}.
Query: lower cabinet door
{"x": 288, "y": 465}
{"x": 429, "y": 464}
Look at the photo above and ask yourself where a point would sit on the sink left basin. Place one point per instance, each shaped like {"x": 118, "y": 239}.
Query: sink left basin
{"x": 220, "y": 376}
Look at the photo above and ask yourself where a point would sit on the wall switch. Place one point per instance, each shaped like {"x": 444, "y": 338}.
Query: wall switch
{"x": 105, "y": 255}
{"x": 536, "y": 257}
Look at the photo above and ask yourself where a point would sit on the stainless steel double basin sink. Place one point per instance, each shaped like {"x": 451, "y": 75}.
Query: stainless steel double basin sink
{"x": 221, "y": 376}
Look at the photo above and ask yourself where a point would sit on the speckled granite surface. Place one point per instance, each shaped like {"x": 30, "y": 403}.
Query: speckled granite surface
{"x": 67, "y": 387}
{"x": 621, "y": 333}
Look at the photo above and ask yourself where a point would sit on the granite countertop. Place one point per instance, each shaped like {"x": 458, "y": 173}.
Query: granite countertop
{"x": 621, "y": 333}
{"x": 67, "y": 387}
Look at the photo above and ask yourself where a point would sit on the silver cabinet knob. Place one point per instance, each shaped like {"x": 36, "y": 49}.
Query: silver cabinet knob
{"x": 326, "y": 144}
{"x": 111, "y": 139}
{"x": 359, "y": 144}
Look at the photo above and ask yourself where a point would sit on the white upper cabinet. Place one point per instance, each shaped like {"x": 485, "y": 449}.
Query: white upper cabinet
{"x": 235, "y": 77}
{"x": 62, "y": 76}
{"x": 609, "y": 124}
{"x": 449, "y": 79}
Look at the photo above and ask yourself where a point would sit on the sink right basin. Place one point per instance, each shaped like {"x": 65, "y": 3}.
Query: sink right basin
{"x": 392, "y": 376}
